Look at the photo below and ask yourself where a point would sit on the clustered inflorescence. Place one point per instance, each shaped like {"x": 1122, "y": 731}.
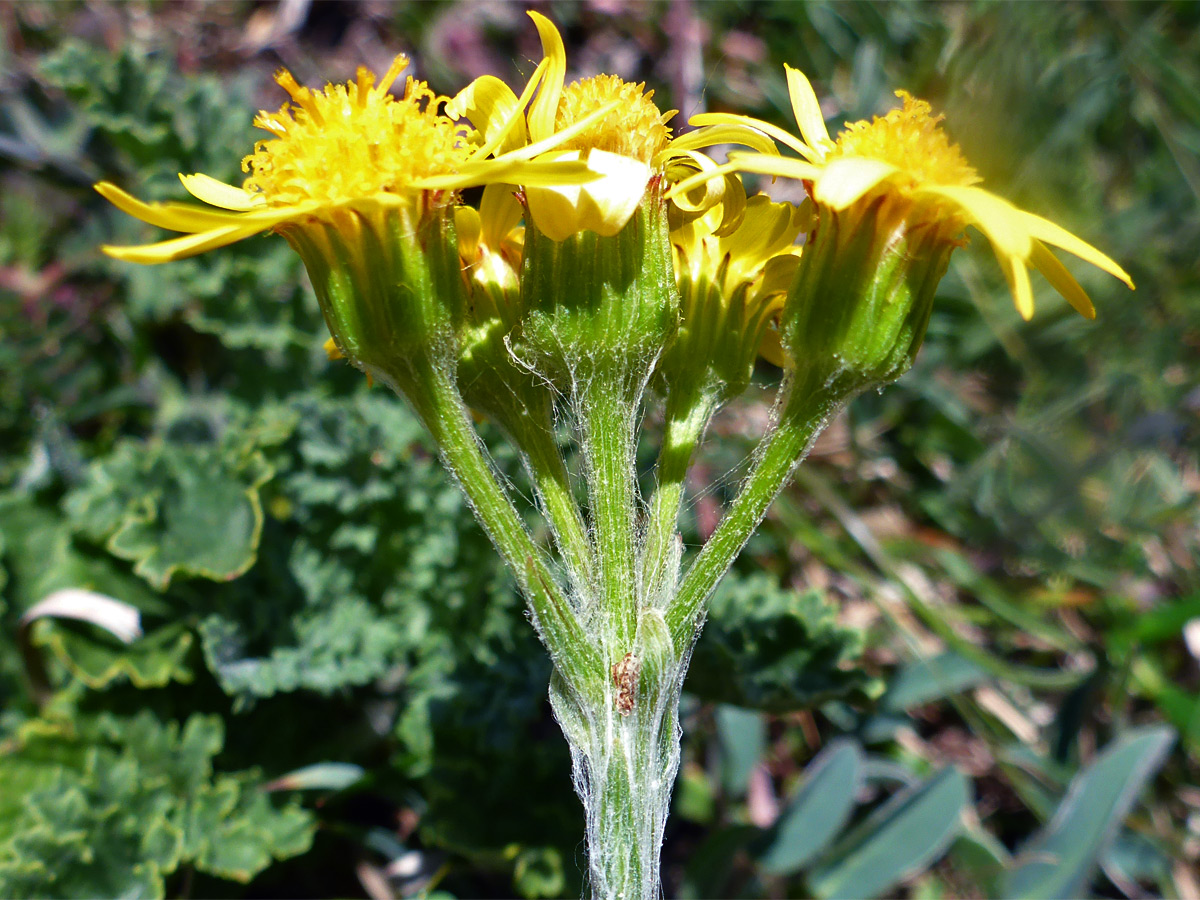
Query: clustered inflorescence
{"x": 608, "y": 265}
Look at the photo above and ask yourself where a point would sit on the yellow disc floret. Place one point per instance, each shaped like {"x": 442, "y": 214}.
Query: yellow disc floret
{"x": 636, "y": 128}
{"x": 352, "y": 141}
{"x": 911, "y": 139}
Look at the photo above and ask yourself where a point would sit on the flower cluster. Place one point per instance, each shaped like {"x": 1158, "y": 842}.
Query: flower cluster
{"x": 585, "y": 157}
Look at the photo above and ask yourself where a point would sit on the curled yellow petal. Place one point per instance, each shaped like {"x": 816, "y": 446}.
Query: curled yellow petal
{"x": 683, "y": 167}
{"x": 747, "y": 122}
{"x": 545, "y": 107}
{"x": 218, "y": 193}
{"x": 772, "y": 350}
{"x": 495, "y": 112}
{"x": 713, "y": 135}
{"x": 779, "y": 273}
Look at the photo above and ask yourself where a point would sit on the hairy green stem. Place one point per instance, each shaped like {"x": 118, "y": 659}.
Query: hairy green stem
{"x": 435, "y": 398}
{"x": 688, "y": 412}
{"x": 533, "y": 432}
{"x": 625, "y": 755}
{"x": 606, "y": 408}
{"x": 805, "y": 406}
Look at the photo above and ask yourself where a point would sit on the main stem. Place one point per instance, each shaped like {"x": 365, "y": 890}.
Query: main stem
{"x": 806, "y": 405}
{"x": 625, "y": 754}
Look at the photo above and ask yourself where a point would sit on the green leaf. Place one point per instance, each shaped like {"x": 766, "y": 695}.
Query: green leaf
{"x": 171, "y": 508}
{"x": 743, "y": 737}
{"x": 98, "y": 660}
{"x": 817, "y": 810}
{"x": 926, "y": 680}
{"x": 982, "y": 857}
{"x": 42, "y": 558}
{"x": 897, "y": 841}
{"x": 768, "y": 648}
{"x": 538, "y": 873}
{"x": 109, "y": 807}
{"x": 1060, "y": 859}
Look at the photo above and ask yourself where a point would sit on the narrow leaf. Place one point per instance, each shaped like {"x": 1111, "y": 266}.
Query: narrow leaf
{"x": 818, "y": 809}
{"x": 897, "y": 841}
{"x": 1060, "y": 859}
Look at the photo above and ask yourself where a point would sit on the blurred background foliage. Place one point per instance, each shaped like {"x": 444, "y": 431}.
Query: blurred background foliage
{"x": 960, "y": 658}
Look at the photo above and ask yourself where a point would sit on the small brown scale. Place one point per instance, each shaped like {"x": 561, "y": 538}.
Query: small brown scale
{"x": 625, "y": 679}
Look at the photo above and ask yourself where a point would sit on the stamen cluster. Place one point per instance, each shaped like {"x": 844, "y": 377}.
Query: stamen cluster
{"x": 352, "y": 141}
{"x": 636, "y": 128}
{"x": 911, "y": 139}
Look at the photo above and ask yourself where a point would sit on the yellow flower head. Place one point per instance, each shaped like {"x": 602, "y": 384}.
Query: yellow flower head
{"x": 733, "y": 266}
{"x": 609, "y": 126}
{"x": 349, "y": 145}
{"x": 905, "y": 156}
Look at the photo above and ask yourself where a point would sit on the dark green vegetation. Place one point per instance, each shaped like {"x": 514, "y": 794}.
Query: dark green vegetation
{"x": 979, "y": 685}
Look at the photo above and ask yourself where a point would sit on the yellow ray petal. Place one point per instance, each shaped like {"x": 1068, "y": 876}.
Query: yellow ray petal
{"x": 559, "y": 137}
{"x": 467, "y": 228}
{"x": 1062, "y": 280}
{"x": 1017, "y": 277}
{"x": 603, "y": 206}
{"x": 547, "y": 171}
{"x": 774, "y": 166}
{"x": 499, "y": 213}
{"x": 172, "y": 216}
{"x": 997, "y": 218}
{"x": 1045, "y": 230}
{"x": 844, "y": 180}
{"x": 181, "y": 248}
{"x": 545, "y": 108}
{"x": 218, "y": 193}
{"x": 806, "y": 109}
{"x": 747, "y": 122}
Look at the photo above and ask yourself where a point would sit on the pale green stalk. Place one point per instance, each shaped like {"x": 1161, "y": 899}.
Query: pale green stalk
{"x": 436, "y": 400}
{"x": 805, "y": 406}
{"x": 688, "y": 412}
